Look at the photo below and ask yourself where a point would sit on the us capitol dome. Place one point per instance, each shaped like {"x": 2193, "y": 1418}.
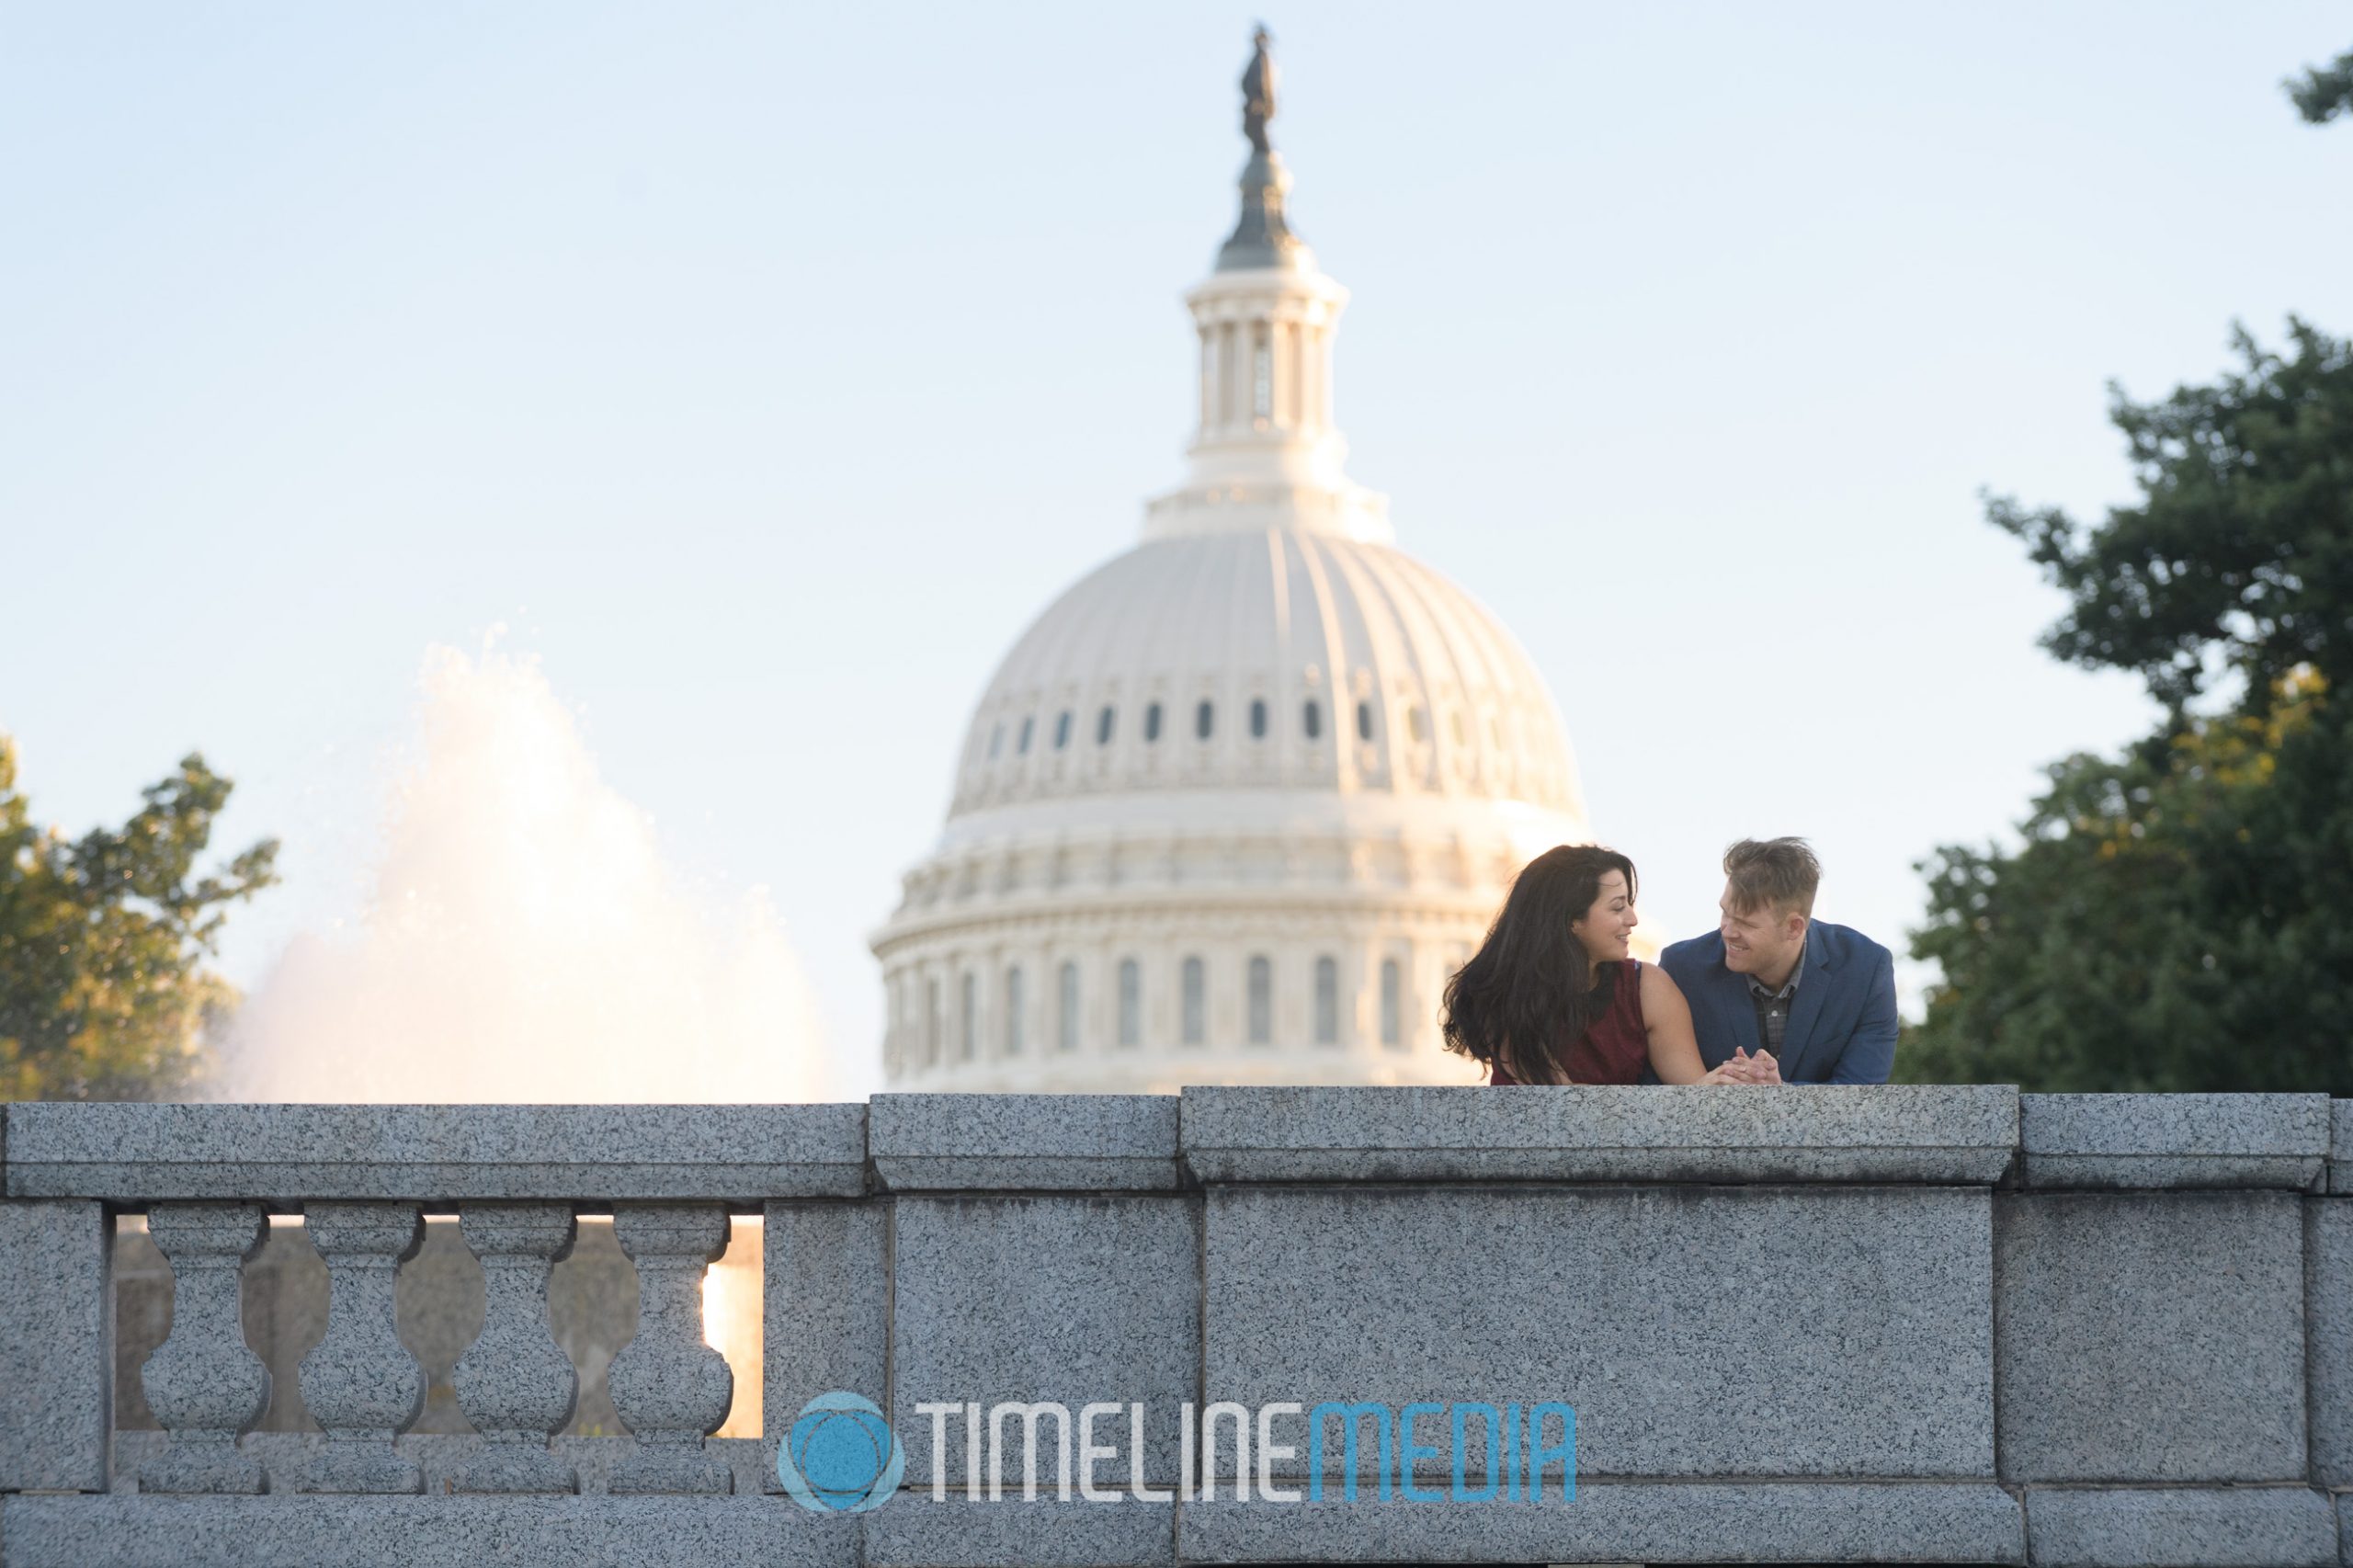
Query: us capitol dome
{"x": 1240, "y": 799}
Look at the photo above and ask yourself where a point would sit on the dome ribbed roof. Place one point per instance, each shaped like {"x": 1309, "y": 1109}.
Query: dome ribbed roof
{"x": 1324, "y": 662}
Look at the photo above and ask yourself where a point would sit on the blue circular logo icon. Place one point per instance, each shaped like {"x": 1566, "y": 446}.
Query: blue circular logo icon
{"x": 841, "y": 1456}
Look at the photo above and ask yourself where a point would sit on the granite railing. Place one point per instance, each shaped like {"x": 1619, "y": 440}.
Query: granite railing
{"x": 1822, "y": 1325}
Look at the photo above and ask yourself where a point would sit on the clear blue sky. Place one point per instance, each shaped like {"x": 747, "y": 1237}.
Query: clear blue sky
{"x": 766, "y": 368}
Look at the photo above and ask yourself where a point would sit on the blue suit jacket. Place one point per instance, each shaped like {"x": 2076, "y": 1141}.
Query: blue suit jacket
{"x": 1842, "y": 1020}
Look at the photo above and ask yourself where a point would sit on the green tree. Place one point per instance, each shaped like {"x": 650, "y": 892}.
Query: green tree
{"x": 2181, "y": 917}
{"x": 2239, "y": 558}
{"x": 103, "y": 989}
{"x": 2326, "y": 91}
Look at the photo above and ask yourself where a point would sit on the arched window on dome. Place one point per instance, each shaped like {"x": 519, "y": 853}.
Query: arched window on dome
{"x": 930, "y": 1022}
{"x": 1103, "y": 727}
{"x": 996, "y": 742}
{"x": 1131, "y": 1002}
{"x": 1066, "y": 1027}
{"x": 1416, "y": 729}
{"x": 1393, "y": 1003}
{"x": 1364, "y": 720}
{"x": 1454, "y": 726}
{"x": 1195, "y": 1027}
{"x": 1204, "y": 718}
{"x": 1014, "y": 1023}
{"x": 968, "y": 1021}
{"x": 1028, "y": 728}
{"x": 1258, "y": 718}
{"x": 1327, "y": 1001}
{"x": 1262, "y": 1000}
{"x": 1228, "y": 358}
{"x": 1292, "y": 376}
{"x": 1311, "y": 719}
{"x": 1262, "y": 377}
{"x": 1062, "y": 729}
{"x": 1151, "y": 723}
{"x": 1209, "y": 379}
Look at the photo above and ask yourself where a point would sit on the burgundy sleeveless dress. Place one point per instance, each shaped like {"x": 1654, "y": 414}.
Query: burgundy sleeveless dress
{"x": 1616, "y": 1046}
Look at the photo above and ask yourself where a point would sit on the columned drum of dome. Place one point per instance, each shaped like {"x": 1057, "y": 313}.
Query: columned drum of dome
{"x": 1291, "y": 768}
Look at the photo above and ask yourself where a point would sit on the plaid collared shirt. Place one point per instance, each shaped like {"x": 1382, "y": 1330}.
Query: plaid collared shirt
{"x": 1773, "y": 1006}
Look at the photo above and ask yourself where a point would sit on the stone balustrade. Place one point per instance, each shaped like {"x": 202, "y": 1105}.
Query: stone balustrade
{"x": 1822, "y": 1325}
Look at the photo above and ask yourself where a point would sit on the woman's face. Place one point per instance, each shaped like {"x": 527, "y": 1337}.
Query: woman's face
{"x": 1608, "y": 923}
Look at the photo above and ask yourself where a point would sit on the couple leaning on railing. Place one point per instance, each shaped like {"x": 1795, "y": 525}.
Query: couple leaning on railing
{"x": 1772, "y": 996}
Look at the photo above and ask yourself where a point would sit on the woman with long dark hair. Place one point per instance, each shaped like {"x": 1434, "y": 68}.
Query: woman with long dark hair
{"x": 1553, "y": 996}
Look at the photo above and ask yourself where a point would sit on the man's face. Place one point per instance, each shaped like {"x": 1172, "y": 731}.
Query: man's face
{"x": 1760, "y": 940}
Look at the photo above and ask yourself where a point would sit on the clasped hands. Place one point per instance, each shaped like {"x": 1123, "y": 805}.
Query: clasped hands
{"x": 1742, "y": 1068}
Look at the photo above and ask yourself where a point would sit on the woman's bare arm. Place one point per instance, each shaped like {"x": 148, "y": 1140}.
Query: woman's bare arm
{"x": 1675, "y": 1049}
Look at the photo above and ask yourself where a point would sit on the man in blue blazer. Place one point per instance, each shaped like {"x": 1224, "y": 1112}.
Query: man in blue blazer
{"x": 1793, "y": 999}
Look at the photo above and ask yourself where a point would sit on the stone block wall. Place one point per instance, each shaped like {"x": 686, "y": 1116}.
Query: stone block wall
{"x": 1807, "y": 1325}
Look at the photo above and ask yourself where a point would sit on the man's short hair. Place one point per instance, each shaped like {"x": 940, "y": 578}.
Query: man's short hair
{"x": 1779, "y": 872}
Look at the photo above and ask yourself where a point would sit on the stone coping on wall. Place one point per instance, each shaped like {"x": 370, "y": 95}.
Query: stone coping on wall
{"x": 938, "y": 1142}
{"x": 1606, "y": 1522}
{"x": 1609, "y": 1521}
{"x": 290, "y": 1154}
{"x": 2269, "y": 1527}
{"x": 1797, "y": 1133}
{"x": 2137, "y": 1142}
{"x": 133, "y": 1532}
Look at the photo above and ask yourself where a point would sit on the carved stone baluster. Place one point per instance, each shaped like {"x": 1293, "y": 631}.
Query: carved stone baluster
{"x": 205, "y": 1386}
{"x": 671, "y": 1388}
{"x": 360, "y": 1383}
{"x": 515, "y": 1382}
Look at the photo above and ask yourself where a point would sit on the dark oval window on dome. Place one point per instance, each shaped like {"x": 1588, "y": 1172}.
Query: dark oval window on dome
{"x": 1414, "y": 727}
{"x": 1102, "y": 728}
{"x": 1062, "y": 729}
{"x": 1029, "y": 727}
{"x": 1364, "y": 720}
{"x": 1258, "y": 719}
{"x": 1204, "y": 719}
{"x": 1151, "y": 723}
{"x": 1311, "y": 719}
{"x": 996, "y": 742}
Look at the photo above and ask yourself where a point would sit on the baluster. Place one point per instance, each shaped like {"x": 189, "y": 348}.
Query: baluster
{"x": 515, "y": 1382}
{"x": 205, "y": 1386}
{"x": 360, "y": 1383}
{"x": 671, "y": 1388}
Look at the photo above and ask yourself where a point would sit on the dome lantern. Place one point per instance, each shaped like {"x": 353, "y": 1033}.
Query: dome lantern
{"x": 1266, "y": 453}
